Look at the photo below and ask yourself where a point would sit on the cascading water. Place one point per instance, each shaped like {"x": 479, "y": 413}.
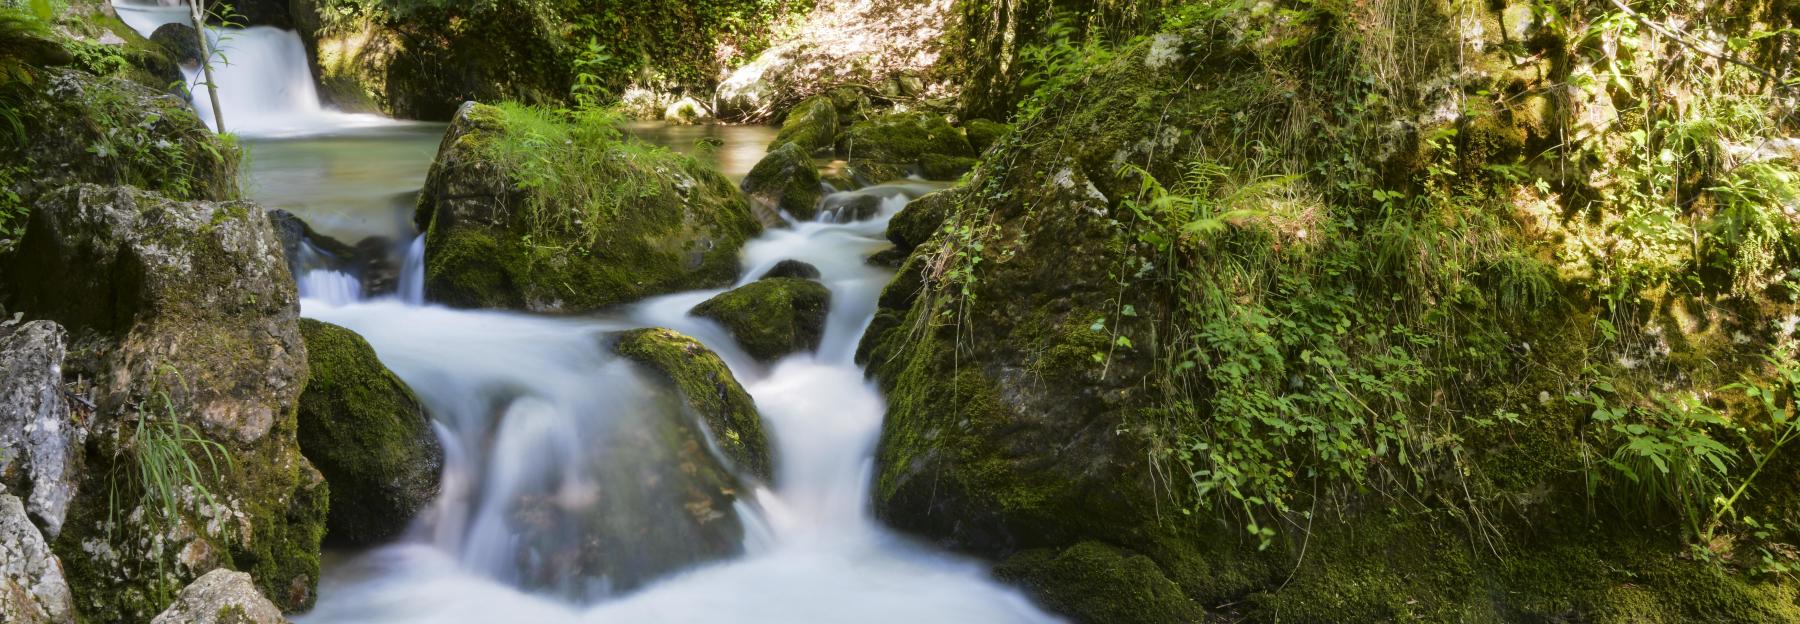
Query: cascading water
{"x": 523, "y": 399}
{"x": 265, "y": 84}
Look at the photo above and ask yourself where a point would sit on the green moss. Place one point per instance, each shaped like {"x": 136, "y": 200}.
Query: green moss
{"x": 1095, "y": 582}
{"x": 772, "y": 317}
{"x": 785, "y": 179}
{"x": 525, "y": 208}
{"x": 984, "y": 134}
{"x": 369, "y": 436}
{"x": 942, "y": 167}
{"x": 895, "y": 144}
{"x": 812, "y": 126}
{"x": 709, "y": 389}
{"x": 920, "y": 219}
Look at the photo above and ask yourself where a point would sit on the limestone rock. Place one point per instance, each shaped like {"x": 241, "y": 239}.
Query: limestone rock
{"x": 221, "y": 597}
{"x": 32, "y": 589}
{"x": 40, "y": 444}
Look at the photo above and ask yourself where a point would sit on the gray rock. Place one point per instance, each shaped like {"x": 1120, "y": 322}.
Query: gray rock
{"x": 32, "y": 589}
{"x": 40, "y": 447}
{"x": 221, "y": 597}
{"x": 792, "y": 268}
{"x": 180, "y": 42}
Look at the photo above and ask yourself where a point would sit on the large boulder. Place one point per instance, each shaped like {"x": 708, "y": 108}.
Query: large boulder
{"x": 367, "y": 433}
{"x": 32, "y": 589}
{"x": 40, "y": 440}
{"x": 786, "y": 180}
{"x": 812, "y": 125}
{"x": 887, "y": 44}
{"x": 772, "y": 317}
{"x": 577, "y": 220}
{"x": 185, "y": 317}
{"x": 221, "y": 597}
{"x": 710, "y": 391}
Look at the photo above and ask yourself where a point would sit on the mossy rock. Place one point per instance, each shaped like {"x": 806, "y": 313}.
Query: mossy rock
{"x": 772, "y": 317}
{"x": 791, "y": 268}
{"x": 494, "y": 241}
{"x": 812, "y": 126}
{"x": 710, "y": 391}
{"x": 1095, "y": 582}
{"x": 920, "y": 219}
{"x": 786, "y": 180}
{"x": 983, "y": 133}
{"x": 367, "y": 433}
{"x": 895, "y": 145}
{"x": 184, "y": 308}
{"x": 943, "y": 167}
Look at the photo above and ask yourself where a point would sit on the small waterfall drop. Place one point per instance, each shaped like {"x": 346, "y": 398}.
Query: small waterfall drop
{"x": 524, "y": 401}
{"x": 330, "y": 287}
{"x": 265, "y": 84}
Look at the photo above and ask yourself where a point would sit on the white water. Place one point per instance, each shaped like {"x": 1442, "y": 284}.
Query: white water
{"x": 813, "y": 552}
{"x": 265, "y": 85}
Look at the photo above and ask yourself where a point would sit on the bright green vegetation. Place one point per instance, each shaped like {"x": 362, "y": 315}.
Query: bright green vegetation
{"x": 557, "y": 210}
{"x": 709, "y": 391}
{"x": 1274, "y": 269}
{"x": 367, "y": 433}
{"x": 772, "y": 317}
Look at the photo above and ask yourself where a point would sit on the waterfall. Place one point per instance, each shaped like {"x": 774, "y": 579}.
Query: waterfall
{"x": 527, "y": 405}
{"x": 264, "y": 81}
{"x": 330, "y": 287}
{"x": 412, "y": 273}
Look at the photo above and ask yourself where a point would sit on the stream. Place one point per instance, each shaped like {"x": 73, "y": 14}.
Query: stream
{"x": 526, "y": 404}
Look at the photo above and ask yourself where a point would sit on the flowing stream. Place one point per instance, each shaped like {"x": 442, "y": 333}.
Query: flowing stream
{"x": 528, "y": 406}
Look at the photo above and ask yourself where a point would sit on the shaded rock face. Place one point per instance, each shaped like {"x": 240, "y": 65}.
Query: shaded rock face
{"x": 710, "y": 391}
{"x": 920, "y": 219}
{"x": 682, "y": 232}
{"x": 180, "y": 42}
{"x": 221, "y": 597}
{"x": 786, "y": 180}
{"x": 251, "y": 13}
{"x": 373, "y": 260}
{"x": 772, "y": 317}
{"x": 792, "y": 268}
{"x": 1094, "y": 582}
{"x": 183, "y": 312}
{"x": 40, "y": 443}
{"x": 32, "y": 589}
{"x": 367, "y": 433}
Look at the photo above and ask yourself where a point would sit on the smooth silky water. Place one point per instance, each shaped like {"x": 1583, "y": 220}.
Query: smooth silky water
{"x": 524, "y": 403}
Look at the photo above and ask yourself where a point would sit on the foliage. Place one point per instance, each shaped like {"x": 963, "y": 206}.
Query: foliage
{"x": 579, "y": 170}
{"x": 162, "y": 472}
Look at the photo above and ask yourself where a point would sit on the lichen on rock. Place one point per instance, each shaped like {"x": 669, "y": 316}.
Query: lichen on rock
{"x": 221, "y": 597}
{"x": 32, "y": 588}
{"x": 40, "y": 437}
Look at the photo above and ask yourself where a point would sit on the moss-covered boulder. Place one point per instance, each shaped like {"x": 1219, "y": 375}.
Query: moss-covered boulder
{"x": 786, "y": 180}
{"x": 532, "y": 210}
{"x": 1094, "y": 582}
{"x": 920, "y": 219}
{"x": 185, "y": 317}
{"x": 367, "y": 433}
{"x": 895, "y": 145}
{"x": 812, "y": 125}
{"x": 710, "y": 391}
{"x": 772, "y": 317}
